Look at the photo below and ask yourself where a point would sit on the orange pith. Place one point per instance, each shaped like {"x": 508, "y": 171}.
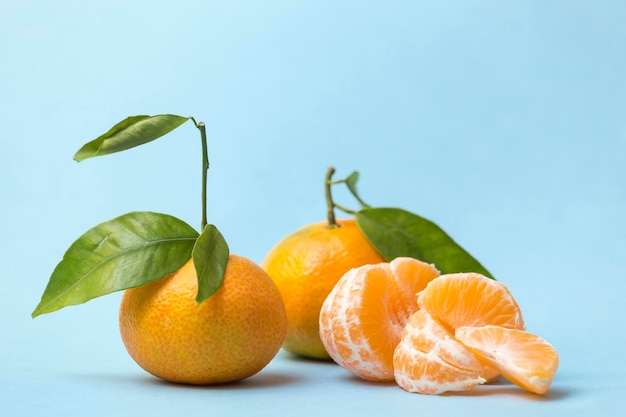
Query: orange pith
{"x": 523, "y": 358}
{"x": 428, "y": 360}
{"x": 230, "y": 336}
{"x": 305, "y": 267}
{"x": 361, "y": 320}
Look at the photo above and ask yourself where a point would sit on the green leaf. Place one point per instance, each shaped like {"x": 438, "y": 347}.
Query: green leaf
{"x": 396, "y": 232}
{"x": 125, "y": 252}
{"x": 351, "y": 181}
{"x": 130, "y": 132}
{"x": 210, "y": 256}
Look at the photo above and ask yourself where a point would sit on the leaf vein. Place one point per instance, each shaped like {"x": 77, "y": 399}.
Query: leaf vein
{"x": 108, "y": 259}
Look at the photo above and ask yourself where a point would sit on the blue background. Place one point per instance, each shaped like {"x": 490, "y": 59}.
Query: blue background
{"x": 502, "y": 121}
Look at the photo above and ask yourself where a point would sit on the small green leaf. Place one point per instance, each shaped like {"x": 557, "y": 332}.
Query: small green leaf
{"x": 130, "y": 132}
{"x": 125, "y": 252}
{"x": 351, "y": 181}
{"x": 210, "y": 256}
{"x": 396, "y": 232}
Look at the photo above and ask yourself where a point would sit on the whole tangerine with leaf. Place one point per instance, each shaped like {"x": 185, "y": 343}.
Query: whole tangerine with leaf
{"x": 307, "y": 264}
{"x": 191, "y": 311}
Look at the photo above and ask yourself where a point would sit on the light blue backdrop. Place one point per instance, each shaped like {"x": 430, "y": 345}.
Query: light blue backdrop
{"x": 502, "y": 121}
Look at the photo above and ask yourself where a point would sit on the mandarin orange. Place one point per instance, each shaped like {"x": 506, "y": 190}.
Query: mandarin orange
{"x": 230, "y": 336}
{"x": 306, "y": 266}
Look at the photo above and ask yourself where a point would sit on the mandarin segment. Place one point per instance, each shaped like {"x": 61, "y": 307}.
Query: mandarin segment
{"x": 523, "y": 358}
{"x": 342, "y": 327}
{"x": 470, "y": 299}
{"x": 428, "y": 360}
{"x": 362, "y": 319}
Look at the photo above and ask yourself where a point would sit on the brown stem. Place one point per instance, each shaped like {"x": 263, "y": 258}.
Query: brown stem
{"x": 330, "y": 206}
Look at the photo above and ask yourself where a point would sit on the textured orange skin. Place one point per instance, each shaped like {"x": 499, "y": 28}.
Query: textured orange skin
{"x": 231, "y": 336}
{"x": 306, "y": 266}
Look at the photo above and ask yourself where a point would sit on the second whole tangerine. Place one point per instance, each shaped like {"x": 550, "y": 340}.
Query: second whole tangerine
{"x": 305, "y": 267}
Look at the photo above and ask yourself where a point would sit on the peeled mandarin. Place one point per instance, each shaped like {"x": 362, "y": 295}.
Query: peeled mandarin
{"x": 362, "y": 319}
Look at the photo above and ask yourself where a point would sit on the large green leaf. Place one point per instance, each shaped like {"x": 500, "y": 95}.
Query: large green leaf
{"x": 130, "y": 132}
{"x": 396, "y": 232}
{"x": 121, "y": 253}
{"x": 210, "y": 256}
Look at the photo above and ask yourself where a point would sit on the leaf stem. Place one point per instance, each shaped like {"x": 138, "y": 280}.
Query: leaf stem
{"x": 330, "y": 206}
{"x": 360, "y": 200}
{"x": 205, "y": 168}
{"x": 344, "y": 209}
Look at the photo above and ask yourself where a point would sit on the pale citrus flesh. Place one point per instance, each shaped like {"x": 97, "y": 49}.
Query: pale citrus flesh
{"x": 362, "y": 319}
{"x": 521, "y": 357}
{"x": 471, "y": 299}
{"x": 306, "y": 266}
{"x": 428, "y": 360}
{"x": 452, "y": 301}
{"x": 230, "y": 336}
